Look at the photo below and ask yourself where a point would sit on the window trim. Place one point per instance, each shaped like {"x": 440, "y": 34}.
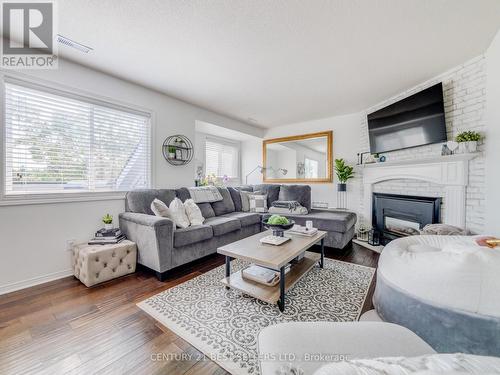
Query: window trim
{"x": 222, "y": 140}
{"x": 76, "y": 94}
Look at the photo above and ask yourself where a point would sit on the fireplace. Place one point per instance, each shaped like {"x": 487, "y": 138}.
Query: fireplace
{"x": 397, "y": 216}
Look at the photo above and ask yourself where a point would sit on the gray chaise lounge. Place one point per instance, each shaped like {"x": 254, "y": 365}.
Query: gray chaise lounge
{"x": 162, "y": 247}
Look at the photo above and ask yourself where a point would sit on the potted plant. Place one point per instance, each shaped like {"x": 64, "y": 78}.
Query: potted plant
{"x": 344, "y": 173}
{"x": 171, "y": 152}
{"x": 467, "y": 141}
{"x": 108, "y": 221}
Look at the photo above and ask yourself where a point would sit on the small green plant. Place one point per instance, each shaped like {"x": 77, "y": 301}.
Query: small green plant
{"x": 107, "y": 219}
{"x": 343, "y": 171}
{"x": 278, "y": 220}
{"x": 171, "y": 149}
{"x": 468, "y": 136}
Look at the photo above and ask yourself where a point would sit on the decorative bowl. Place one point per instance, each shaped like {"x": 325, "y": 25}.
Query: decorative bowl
{"x": 278, "y": 229}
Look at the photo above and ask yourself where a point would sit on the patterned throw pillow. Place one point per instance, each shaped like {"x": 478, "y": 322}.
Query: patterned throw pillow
{"x": 245, "y": 199}
{"x": 258, "y": 203}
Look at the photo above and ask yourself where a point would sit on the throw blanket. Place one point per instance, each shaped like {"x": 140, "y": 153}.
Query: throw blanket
{"x": 204, "y": 194}
{"x": 428, "y": 364}
{"x": 287, "y": 207}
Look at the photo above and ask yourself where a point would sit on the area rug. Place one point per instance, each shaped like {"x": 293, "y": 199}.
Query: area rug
{"x": 224, "y": 324}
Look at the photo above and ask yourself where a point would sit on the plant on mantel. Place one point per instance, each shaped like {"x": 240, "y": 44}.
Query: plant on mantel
{"x": 467, "y": 141}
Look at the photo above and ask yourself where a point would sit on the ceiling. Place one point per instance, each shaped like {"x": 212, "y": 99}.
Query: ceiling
{"x": 274, "y": 62}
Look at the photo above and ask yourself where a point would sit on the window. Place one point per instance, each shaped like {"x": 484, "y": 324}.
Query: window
{"x": 222, "y": 158}
{"x": 56, "y": 143}
{"x": 311, "y": 168}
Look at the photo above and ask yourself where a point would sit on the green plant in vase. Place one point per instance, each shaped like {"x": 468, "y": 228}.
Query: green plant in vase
{"x": 344, "y": 173}
{"x": 108, "y": 221}
{"x": 171, "y": 152}
{"x": 467, "y": 141}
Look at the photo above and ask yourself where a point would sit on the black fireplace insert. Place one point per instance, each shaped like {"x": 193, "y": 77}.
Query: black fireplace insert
{"x": 396, "y": 216}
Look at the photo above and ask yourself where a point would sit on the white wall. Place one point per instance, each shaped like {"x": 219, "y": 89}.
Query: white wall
{"x": 493, "y": 138}
{"x": 251, "y": 157}
{"x": 346, "y": 143}
{"x": 34, "y": 236}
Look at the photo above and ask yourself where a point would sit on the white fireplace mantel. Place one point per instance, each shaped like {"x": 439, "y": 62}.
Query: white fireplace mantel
{"x": 452, "y": 172}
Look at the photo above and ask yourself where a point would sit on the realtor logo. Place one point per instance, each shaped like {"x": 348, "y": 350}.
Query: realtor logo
{"x": 28, "y": 35}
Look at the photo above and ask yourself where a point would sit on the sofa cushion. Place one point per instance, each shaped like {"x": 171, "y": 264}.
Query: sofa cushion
{"x": 206, "y": 209}
{"x": 332, "y": 221}
{"x": 182, "y": 194}
{"x": 299, "y": 193}
{"x": 236, "y": 197}
{"x": 226, "y": 205}
{"x": 139, "y": 201}
{"x": 271, "y": 190}
{"x": 222, "y": 225}
{"x": 166, "y": 195}
{"x": 246, "y": 218}
{"x": 192, "y": 234}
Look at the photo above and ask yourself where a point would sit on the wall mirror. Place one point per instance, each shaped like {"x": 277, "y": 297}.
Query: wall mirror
{"x": 300, "y": 158}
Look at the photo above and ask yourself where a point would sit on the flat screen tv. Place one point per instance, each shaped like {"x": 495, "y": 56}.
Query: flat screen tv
{"x": 414, "y": 121}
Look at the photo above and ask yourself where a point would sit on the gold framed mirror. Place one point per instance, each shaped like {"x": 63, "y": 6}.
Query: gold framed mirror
{"x": 300, "y": 158}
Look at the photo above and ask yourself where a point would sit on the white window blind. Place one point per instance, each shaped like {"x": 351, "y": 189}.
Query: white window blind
{"x": 222, "y": 158}
{"x": 58, "y": 144}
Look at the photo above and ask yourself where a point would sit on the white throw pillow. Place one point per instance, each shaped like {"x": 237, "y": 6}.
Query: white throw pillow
{"x": 193, "y": 212}
{"x": 159, "y": 208}
{"x": 177, "y": 213}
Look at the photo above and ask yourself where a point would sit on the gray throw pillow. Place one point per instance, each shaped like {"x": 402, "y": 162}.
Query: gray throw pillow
{"x": 245, "y": 203}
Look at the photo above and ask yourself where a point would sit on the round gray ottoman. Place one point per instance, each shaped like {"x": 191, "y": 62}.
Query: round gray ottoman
{"x": 446, "y": 289}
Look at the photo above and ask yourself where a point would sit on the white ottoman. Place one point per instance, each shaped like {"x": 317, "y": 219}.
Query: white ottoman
{"x": 445, "y": 289}
{"x": 94, "y": 264}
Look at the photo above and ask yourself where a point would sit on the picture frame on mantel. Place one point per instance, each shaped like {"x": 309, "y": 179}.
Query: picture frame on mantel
{"x": 315, "y": 170}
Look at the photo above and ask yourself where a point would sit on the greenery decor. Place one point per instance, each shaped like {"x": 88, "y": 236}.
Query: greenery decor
{"x": 468, "y": 136}
{"x": 343, "y": 171}
{"x": 107, "y": 219}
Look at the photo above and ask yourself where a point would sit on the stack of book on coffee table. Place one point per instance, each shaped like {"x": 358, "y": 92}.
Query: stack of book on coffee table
{"x": 107, "y": 236}
{"x": 263, "y": 275}
{"x": 302, "y": 230}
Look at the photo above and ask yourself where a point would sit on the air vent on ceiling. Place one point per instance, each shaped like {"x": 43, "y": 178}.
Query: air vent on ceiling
{"x": 71, "y": 43}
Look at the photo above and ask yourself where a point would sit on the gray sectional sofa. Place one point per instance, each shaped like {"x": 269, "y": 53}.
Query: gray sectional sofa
{"x": 162, "y": 246}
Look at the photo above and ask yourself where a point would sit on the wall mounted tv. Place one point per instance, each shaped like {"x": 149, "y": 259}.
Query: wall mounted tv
{"x": 414, "y": 121}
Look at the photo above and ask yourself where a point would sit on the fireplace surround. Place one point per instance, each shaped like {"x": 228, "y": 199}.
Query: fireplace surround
{"x": 396, "y": 216}
{"x": 451, "y": 172}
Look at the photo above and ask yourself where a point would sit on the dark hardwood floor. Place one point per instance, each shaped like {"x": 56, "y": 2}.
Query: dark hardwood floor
{"x": 63, "y": 327}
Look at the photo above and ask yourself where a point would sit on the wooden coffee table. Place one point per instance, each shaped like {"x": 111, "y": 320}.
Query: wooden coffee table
{"x": 274, "y": 257}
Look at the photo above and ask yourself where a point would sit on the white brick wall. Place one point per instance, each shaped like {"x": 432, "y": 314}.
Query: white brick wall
{"x": 465, "y": 101}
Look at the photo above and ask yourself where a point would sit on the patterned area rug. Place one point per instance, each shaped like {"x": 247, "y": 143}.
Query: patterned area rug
{"x": 224, "y": 324}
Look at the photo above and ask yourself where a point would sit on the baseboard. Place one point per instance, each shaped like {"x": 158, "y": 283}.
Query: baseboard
{"x": 377, "y": 249}
{"x": 12, "y": 287}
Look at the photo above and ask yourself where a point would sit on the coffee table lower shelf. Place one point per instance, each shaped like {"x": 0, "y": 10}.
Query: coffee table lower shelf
{"x": 271, "y": 294}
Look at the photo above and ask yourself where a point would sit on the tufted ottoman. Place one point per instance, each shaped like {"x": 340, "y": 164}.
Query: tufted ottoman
{"x": 94, "y": 264}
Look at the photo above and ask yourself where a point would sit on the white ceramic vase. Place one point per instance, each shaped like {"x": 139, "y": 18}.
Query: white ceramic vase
{"x": 108, "y": 226}
{"x": 471, "y": 146}
{"x": 462, "y": 148}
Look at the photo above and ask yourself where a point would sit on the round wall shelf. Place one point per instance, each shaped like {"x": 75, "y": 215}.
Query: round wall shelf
{"x": 177, "y": 150}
